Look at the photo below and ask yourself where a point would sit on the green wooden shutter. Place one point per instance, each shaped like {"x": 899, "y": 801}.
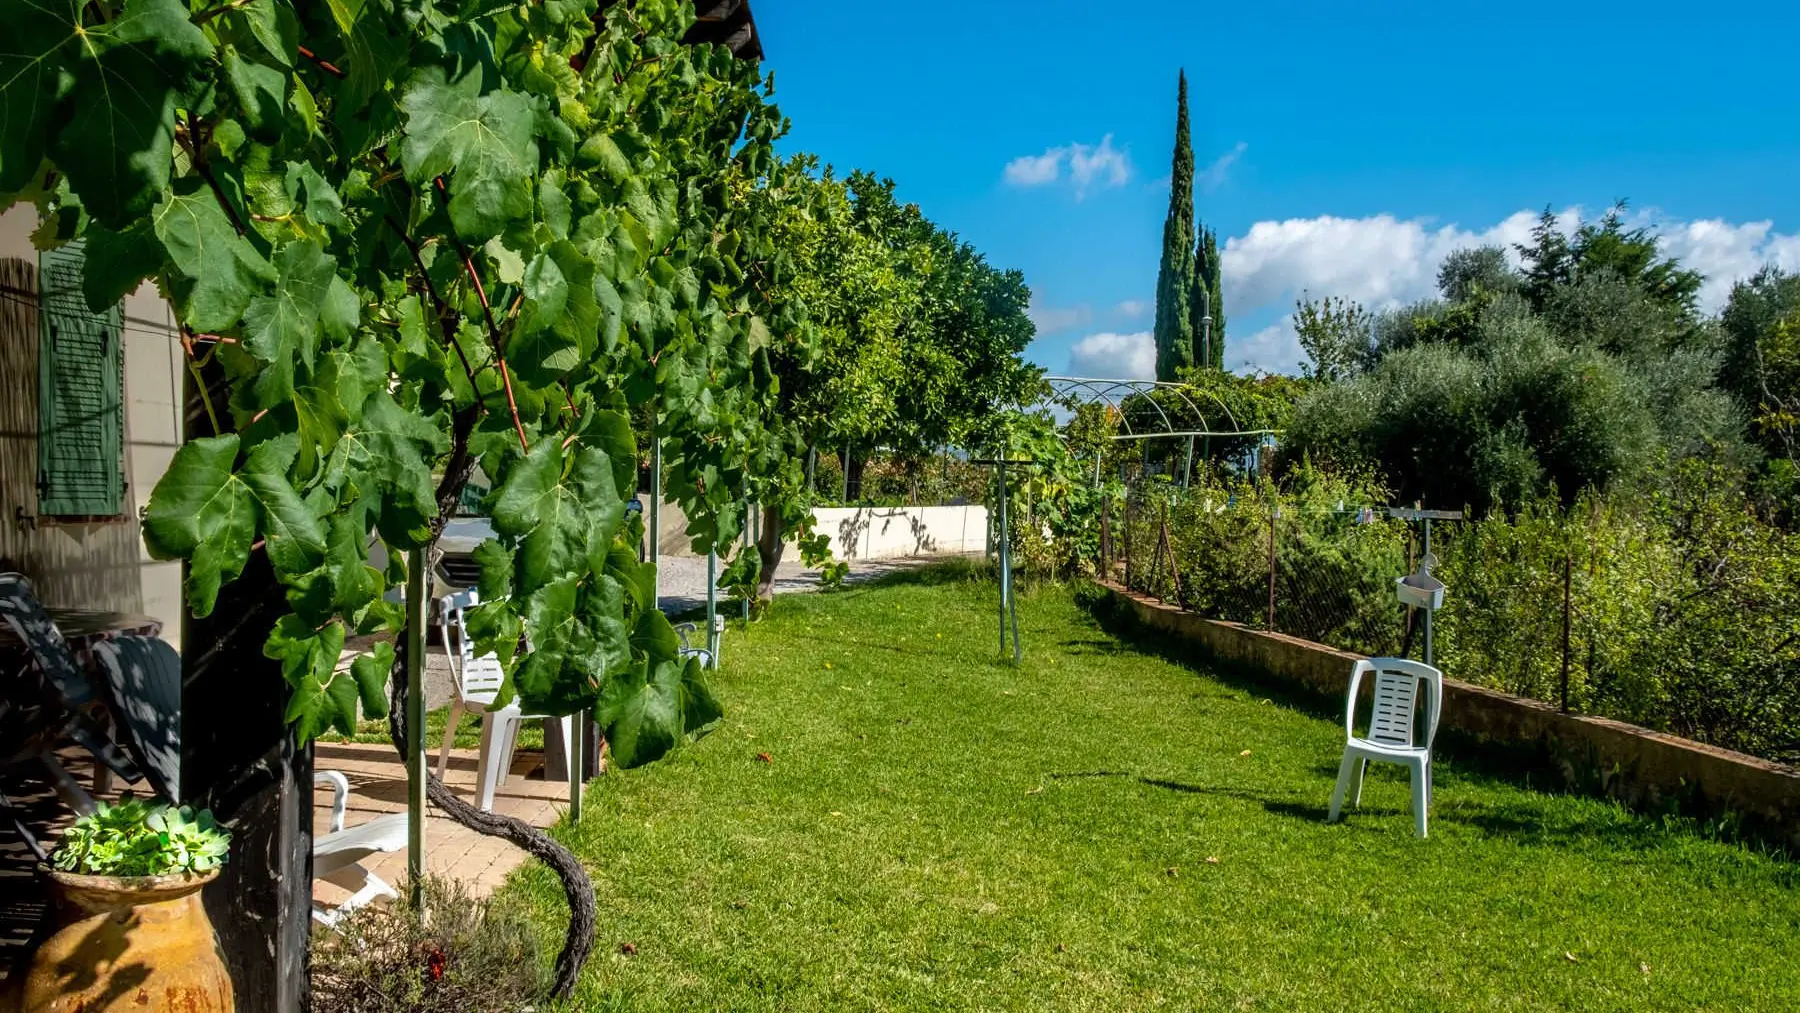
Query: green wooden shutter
{"x": 81, "y": 422}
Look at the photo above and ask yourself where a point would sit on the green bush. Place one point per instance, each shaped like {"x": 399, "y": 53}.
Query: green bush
{"x": 1683, "y": 606}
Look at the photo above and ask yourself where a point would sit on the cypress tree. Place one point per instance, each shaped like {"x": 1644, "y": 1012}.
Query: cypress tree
{"x": 1175, "y": 278}
{"x": 1206, "y": 280}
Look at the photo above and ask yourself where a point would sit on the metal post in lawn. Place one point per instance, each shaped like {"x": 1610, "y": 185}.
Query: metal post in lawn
{"x": 749, "y": 543}
{"x": 577, "y": 747}
{"x": 1274, "y": 518}
{"x": 1428, "y": 612}
{"x": 655, "y": 534}
{"x": 1567, "y": 580}
{"x": 415, "y": 725}
{"x": 1005, "y": 562}
{"x": 712, "y": 606}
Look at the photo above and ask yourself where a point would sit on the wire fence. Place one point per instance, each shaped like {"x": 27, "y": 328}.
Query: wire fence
{"x": 1682, "y": 616}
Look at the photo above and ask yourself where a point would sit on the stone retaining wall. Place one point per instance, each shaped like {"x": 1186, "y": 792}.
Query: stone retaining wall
{"x": 1636, "y": 765}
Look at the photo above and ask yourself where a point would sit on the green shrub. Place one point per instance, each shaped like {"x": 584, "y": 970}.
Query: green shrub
{"x": 137, "y": 838}
{"x": 1683, "y": 606}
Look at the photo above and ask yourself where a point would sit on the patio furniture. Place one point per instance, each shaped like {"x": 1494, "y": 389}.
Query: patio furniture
{"x": 477, "y": 682}
{"x": 339, "y": 854}
{"x": 687, "y": 649}
{"x": 51, "y": 698}
{"x": 1391, "y": 734}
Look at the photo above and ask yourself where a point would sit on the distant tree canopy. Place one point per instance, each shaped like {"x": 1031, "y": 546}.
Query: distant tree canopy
{"x": 1588, "y": 366}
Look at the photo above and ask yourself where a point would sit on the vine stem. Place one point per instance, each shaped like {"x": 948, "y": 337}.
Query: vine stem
{"x": 323, "y": 65}
{"x": 412, "y": 247}
{"x": 487, "y": 313}
{"x": 197, "y": 152}
{"x": 187, "y": 345}
{"x": 583, "y": 908}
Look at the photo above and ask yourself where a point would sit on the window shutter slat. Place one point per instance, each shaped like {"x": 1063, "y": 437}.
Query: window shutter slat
{"x": 81, "y": 419}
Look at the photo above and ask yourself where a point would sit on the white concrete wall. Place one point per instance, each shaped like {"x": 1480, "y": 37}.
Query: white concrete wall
{"x": 893, "y": 532}
{"x": 91, "y": 563}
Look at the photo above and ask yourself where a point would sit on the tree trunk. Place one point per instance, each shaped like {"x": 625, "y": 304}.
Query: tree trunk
{"x": 853, "y": 476}
{"x": 578, "y": 942}
{"x": 769, "y": 546}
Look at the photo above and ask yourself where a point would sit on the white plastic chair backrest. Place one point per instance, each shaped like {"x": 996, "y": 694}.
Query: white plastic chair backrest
{"x": 477, "y": 679}
{"x": 1397, "y": 682}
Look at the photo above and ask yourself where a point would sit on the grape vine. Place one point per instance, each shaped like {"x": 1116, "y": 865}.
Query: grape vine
{"x": 406, "y": 237}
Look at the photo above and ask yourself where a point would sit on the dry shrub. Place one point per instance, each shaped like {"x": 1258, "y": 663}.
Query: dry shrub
{"x": 462, "y": 956}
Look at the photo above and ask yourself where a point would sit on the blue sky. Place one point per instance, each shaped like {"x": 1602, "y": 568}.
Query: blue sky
{"x": 1343, "y": 148}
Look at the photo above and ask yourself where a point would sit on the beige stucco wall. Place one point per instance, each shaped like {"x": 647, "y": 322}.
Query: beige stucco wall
{"x": 99, "y": 564}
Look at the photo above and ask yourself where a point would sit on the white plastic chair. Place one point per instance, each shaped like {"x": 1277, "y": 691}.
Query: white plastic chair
{"x": 1390, "y": 738}
{"x": 338, "y": 855}
{"x": 477, "y": 682}
{"x": 687, "y": 650}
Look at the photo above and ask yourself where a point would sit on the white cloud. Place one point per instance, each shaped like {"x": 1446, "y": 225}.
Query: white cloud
{"x": 1050, "y": 319}
{"x": 1725, "y": 253}
{"x": 1382, "y": 261}
{"x": 1088, "y": 164}
{"x": 1379, "y": 261}
{"x": 1211, "y": 177}
{"x": 1274, "y": 349}
{"x": 1114, "y": 356}
{"x": 1131, "y": 309}
{"x": 1035, "y": 170}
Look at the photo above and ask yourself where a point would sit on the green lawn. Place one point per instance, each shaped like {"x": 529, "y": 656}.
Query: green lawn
{"x": 889, "y": 819}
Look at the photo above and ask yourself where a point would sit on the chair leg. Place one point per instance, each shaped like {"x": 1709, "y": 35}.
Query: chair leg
{"x": 456, "y": 714}
{"x": 492, "y": 762}
{"x": 1421, "y": 794}
{"x": 1346, "y": 770}
{"x": 568, "y": 744}
{"x": 1362, "y": 773}
{"x": 510, "y": 749}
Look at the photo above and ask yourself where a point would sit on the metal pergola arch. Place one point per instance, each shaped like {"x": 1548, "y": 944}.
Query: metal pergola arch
{"x": 1112, "y": 392}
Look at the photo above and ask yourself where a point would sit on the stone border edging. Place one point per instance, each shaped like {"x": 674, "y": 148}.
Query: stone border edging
{"x": 1637, "y": 765}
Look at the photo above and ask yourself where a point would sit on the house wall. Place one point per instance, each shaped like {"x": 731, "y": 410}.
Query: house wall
{"x": 96, "y": 563}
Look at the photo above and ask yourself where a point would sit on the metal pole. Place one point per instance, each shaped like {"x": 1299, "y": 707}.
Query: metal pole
{"x": 749, "y": 544}
{"x": 1187, "y": 475}
{"x": 1005, "y": 558}
{"x": 1567, "y": 580}
{"x": 844, "y": 479}
{"x": 655, "y": 534}
{"x": 415, "y": 726}
{"x": 1428, "y": 611}
{"x": 577, "y": 746}
{"x": 1274, "y": 516}
{"x": 812, "y": 464}
{"x": 712, "y": 604}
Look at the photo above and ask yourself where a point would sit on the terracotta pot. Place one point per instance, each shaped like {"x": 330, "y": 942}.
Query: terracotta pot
{"x": 141, "y": 944}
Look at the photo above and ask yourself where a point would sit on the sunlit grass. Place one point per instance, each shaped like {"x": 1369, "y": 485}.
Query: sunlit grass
{"x": 892, "y": 819}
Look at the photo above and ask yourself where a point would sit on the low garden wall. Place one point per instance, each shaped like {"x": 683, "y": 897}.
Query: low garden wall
{"x": 1638, "y": 766}
{"x": 893, "y": 532}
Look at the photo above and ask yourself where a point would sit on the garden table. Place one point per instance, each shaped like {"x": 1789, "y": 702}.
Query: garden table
{"x": 82, "y": 628}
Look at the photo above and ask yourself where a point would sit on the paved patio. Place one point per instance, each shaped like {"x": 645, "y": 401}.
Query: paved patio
{"x": 378, "y": 786}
